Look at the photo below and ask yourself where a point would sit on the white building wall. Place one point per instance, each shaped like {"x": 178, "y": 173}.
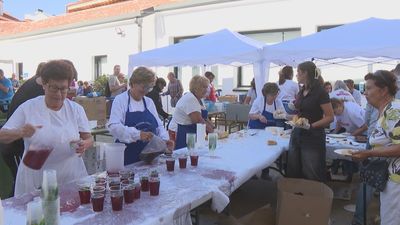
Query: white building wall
{"x": 80, "y": 45}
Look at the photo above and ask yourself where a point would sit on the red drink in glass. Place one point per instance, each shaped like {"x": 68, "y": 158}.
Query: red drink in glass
{"x": 98, "y": 202}
{"x": 137, "y": 191}
{"x": 84, "y": 195}
{"x": 170, "y": 164}
{"x": 194, "y": 159}
{"x": 154, "y": 184}
{"x": 129, "y": 193}
{"x": 35, "y": 159}
{"x": 182, "y": 162}
{"x": 116, "y": 202}
{"x": 144, "y": 183}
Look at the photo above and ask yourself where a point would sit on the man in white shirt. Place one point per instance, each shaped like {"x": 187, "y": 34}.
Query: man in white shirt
{"x": 356, "y": 93}
{"x": 116, "y": 87}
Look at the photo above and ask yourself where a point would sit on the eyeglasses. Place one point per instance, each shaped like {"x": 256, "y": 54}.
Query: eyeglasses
{"x": 55, "y": 89}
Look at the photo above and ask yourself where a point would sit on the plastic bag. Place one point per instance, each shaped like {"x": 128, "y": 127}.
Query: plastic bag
{"x": 154, "y": 148}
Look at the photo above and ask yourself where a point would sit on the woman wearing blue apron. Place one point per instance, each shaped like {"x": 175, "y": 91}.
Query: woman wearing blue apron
{"x": 134, "y": 119}
{"x": 189, "y": 110}
{"x": 263, "y": 109}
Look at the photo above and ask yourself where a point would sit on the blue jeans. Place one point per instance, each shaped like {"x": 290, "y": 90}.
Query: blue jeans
{"x": 358, "y": 217}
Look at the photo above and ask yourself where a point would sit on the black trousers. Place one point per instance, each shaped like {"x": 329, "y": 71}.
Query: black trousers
{"x": 307, "y": 154}
{"x": 12, "y": 153}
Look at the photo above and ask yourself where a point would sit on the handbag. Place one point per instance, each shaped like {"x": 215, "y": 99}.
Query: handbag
{"x": 375, "y": 173}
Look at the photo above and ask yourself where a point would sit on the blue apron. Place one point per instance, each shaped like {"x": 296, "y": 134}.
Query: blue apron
{"x": 184, "y": 129}
{"x": 257, "y": 124}
{"x": 143, "y": 121}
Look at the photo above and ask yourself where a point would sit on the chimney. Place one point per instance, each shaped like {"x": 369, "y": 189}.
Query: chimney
{"x": 1, "y": 7}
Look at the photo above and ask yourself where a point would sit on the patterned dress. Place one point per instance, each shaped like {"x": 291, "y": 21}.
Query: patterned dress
{"x": 386, "y": 133}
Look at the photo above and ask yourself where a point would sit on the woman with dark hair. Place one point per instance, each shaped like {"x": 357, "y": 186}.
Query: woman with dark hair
{"x": 264, "y": 108}
{"x": 380, "y": 91}
{"x": 307, "y": 143}
{"x": 251, "y": 94}
{"x": 50, "y": 119}
{"x": 155, "y": 96}
{"x": 288, "y": 88}
{"x": 328, "y": 87}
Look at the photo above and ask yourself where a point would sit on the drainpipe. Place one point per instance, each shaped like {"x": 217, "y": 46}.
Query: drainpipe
{"x": 139, "y": 22}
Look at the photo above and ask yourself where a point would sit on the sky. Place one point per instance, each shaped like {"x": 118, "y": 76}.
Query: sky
{"x": 18, "y": 8}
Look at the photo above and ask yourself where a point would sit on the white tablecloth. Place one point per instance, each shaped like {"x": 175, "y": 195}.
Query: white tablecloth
{"x": 236, "y": 160}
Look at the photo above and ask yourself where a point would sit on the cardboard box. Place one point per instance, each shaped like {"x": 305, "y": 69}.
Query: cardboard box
{"x": 264, "y": 215}
{"x": 95, "y": 108}
{"x": 228, "y": 98}
{"x": 303, "y": 202}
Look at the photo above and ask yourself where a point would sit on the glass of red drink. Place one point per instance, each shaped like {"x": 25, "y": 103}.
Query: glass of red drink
{"x": 124, "y": 174}
{"x": 182, "y": 161}
{"x": 100, "y": 181}
{"x": 129, "y": 191}
{"x": 154, "y": 186}
{"x": 116, "y": 198}
{"x": 170, "y": 162}
{"x": 114, "y": 179}
{"x": 84, "y": 193}
{"x": 194, "y": 159}
{"x": 97, "y": 198}
{"x": 137, "y": 190}
{"x": 144, "y": 183}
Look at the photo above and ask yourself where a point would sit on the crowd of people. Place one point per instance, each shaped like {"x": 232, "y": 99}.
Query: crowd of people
{"x": 40, "y": 108}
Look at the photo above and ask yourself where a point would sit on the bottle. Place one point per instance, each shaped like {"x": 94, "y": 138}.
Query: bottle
{"x": 1, "y": 214}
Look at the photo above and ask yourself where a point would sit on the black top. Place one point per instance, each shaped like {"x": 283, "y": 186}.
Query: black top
{"x": 309, "y": 105}
{"x": 30, "y": 89}
{"x": 155, "y": 96}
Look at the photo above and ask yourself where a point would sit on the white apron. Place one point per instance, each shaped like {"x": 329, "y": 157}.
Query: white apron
{"x": 69, "y": 166}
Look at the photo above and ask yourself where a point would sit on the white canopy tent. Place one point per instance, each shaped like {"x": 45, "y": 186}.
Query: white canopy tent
{"x": 221, "y": 47}
{"x": 370, "y": 39}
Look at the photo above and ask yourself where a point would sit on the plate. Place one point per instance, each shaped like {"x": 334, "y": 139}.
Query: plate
{"x": 336, "y": 135}
{"x": 345, "y": 151}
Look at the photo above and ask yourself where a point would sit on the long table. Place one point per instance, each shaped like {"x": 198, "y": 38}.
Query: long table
{"x": 236, "y": 160}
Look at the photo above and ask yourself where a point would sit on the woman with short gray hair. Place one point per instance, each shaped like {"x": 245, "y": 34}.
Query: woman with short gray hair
{"x": 341, "y": 91}
{"x": 190, "y": 110}
{"x": 134, "y": 119}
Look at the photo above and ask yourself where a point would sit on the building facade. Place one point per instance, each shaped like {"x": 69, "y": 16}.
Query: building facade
{"x": 96, "y": 35}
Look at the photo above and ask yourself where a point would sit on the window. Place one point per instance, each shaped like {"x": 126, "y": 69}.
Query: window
{"x": 100, "y": 62}
{"x": 245, "y": 73}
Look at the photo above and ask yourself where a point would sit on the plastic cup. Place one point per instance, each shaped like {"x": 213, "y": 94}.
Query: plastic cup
{"x": 100, "y": 181}
{"x": 97, "y": 198}
{"x": 194, "y": 159}
{"x": 34, "y": 213}
{"x": 190, "y": 141}
{"x": 182, "y": 161}
{"x": 212, "y": 141}
{"x": 125, "y": 174}
{"x": 137, "y": 190}
{"x": 170, "y": 162}
{"x": 144, "y": 183}
{"x": 114, "y": 180}
{"x": 117, "y": 198}
{"x": 154, "y": 186}
{"x": 84, "y": 192}
{"x": 129, "y": 191}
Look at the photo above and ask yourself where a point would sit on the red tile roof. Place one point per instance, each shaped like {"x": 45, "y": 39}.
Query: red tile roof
{"x": 8, "y": 28}
{"x": 7, "y": 17}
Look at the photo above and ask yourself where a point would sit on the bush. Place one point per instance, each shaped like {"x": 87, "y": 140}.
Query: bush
{"x": 100, "y": 84}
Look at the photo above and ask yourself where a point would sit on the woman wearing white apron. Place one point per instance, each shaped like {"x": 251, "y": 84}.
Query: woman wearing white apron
{"x": 53, "y": 121}
{"x": 385, "y": 139}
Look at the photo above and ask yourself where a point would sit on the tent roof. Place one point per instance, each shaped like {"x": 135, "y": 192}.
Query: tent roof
{"x": 370, "y": 38}
{"x": 220, "y": 47}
